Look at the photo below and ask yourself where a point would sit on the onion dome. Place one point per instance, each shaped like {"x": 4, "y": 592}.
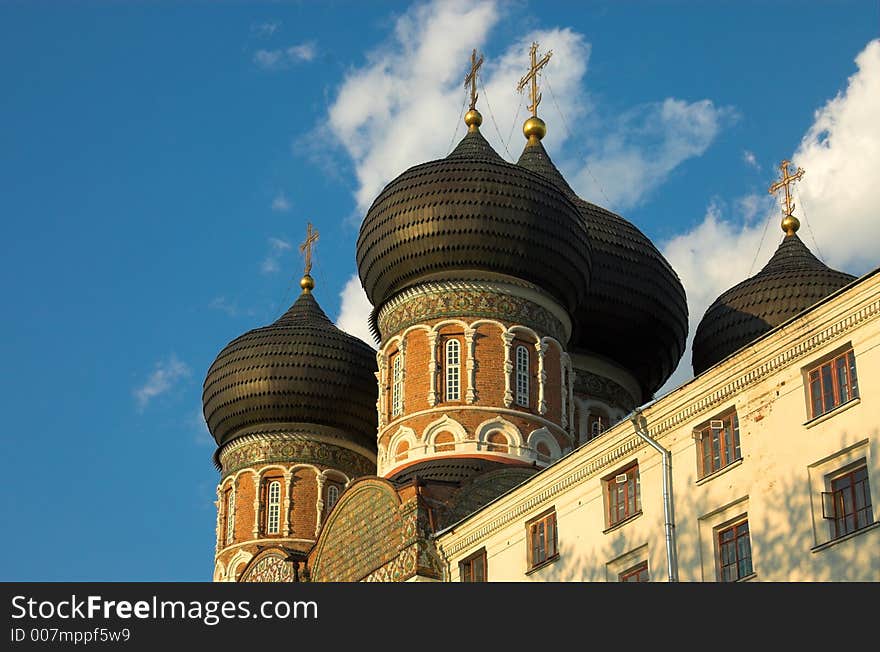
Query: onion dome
{"x": 792, "y": 281}
{"x": 299, "y": 370}
{"x": 470, "y": 214}
{"x": 635, "y": 310}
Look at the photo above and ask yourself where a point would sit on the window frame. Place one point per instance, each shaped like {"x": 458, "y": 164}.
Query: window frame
{"x": 815, "y": 382}
{"x": 269, "y": 505}
{"x": 452, "y": 370}
{"x": 635, "y": 571}
{"x": 466, "y": 567}
{"x": 543, "y": 523}
{"x": 612, "y": 495}
{"x": 330, "y": 502}
{"x": 396, "y": 385}
{"x": 229, "y": 515}
{"x": 720, "y": 546}
{"x": 836, "y": 530}
{"x": 705, "y": 438}
{"x": 521, "y": 376}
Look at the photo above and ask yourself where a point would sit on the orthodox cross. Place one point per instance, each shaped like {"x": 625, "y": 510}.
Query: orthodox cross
{"x": 532, "y": 75}
{"x": 787, "y": 179}
{"x": 471, "y": 78}
{"x": 306, "y": 247}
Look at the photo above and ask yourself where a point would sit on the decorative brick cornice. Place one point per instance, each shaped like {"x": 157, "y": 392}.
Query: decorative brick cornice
{"x": 462, "y": 298}
{"x": 604, "y": 389}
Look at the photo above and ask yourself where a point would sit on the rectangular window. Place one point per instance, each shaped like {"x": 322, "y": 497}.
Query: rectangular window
{"x": 848, "y": 505}
{"x": 734, "y": 552}
{"x": 473, "y": 569}
{"x": 622, "y": 495}
{"x": 638, "y": 573}
{"x": 542, "y": 539}
{"x": 718, "y": 443}
{"x": 832, "y": 383}
{"x": 396, "y": 386}
{"x": 522, "y": 376}
{"x": 273, "y": 506}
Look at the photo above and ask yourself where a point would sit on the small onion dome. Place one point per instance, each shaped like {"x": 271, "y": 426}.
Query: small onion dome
{"x": 299, "y": 370}
{"x": 472, "y": 213}
{"x": 792, "y": 281}
{"x": 635, "y": 311}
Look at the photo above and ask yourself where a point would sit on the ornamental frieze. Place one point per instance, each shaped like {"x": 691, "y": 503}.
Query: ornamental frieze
{"x": 603, "y": 389}
{"x": 260, "y": 450}
{"x": 474, "y": 302}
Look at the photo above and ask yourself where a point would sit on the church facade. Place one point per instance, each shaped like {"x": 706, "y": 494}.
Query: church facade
{"x": 505, "y": 429}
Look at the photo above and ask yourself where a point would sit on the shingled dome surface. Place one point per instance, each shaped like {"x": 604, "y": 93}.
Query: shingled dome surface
{"x": 792, "y": 281}
{"x": 473, "y": 212}
{"x": 299, "y": 370}
{"x": 635, "y": 310}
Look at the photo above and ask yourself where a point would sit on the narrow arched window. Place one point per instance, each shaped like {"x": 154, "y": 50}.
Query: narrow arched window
{"x": 453, "y": 370}
{"x": 397, "y": 387}
{"x": 273, "y": 507}
{"x": 332, "y": 496}
{"x": 522, "y": 376}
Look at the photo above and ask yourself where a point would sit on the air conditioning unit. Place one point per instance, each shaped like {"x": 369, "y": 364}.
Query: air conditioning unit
{"x": 716, "y": 424}
{"x": 620, "y": 478}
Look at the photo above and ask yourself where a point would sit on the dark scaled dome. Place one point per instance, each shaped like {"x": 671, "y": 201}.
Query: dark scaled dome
{"x": 635, "y": 310}
{"x": 299, "y": 370}
{"x": 792, "y": 281}
{"x": 473, "y": 212}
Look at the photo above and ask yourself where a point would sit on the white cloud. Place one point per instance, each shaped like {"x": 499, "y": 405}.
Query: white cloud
{"x": 165, "y": 376}
{"x": 836, "y": 201}
{"x": 750, "y": 160}
{"x": 644, "y": 145}
{"x": 416, "y": 80}
{"x": 281, "y": 204}
{"x": 277, "y": 246}
{"x": 354, "y": 311}
{"x": 266, "y": 29}
{"x": 222, "y": 304}
{"x": 285, "y": 57}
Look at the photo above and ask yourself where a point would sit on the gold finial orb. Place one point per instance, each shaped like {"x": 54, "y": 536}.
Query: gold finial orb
{"x": 307, "y": 283}
{"x": 790, "y": 224}
{"x": 473, "y": 120}
{"x": 534, "y": 127}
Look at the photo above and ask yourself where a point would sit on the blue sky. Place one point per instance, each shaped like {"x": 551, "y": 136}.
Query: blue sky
{"x": 159, "y": 163}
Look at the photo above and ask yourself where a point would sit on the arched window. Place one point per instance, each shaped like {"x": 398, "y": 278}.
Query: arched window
{"x": 596, "y": 425}
{"x": 229, "y": 514}
{"x": 453, "y": 370}
{"x": 273, "y": 507}
{"x": 497, "y": 441}
{"x": 522, "y": 376}
{"x": 396, "y": 387}
{"x": 402, "y": 450}
{"x": 332, "y": 496}
{"x": 445, "y": 441}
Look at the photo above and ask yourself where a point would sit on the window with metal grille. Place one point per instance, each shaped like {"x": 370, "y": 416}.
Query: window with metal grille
{"x": 638, "y": 573}
{"x": 734, "y": 552}
{"x": 453, "y": 370}
{"x": 622, "y": 495}
{"x": 832, "y": 383}
{"x": 848, "y": 505}
{"x": 522, "y": 376}
{"x": 473, "y": 568}
{"x": 396, "y": 386}
{"x": 718, "y": 444}
{"x": 542, "y": 539}
{"x": 273, "y": 507}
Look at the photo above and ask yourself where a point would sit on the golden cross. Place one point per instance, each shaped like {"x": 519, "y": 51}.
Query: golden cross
{"x": 785, "y": 182}
{"x": 306, "y": 247}
{"x": 532, "y": 75}
{"x": 471, "y": 78}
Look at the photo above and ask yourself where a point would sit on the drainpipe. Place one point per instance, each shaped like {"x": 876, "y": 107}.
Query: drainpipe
{"x": 640, "y": 424}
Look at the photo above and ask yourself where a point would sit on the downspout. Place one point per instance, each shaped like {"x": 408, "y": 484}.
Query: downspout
{"x": 640, "y": 424}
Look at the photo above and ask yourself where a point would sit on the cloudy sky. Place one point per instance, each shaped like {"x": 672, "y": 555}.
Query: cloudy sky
{"x": 160, "y": 162}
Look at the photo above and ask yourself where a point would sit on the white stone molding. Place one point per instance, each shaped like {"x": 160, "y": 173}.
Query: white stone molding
{"x": 471, "y": 393}
{"x": 541, "y": 348}
{"x": 255, "y": 531}
{"x": 514, "y": 436}
{"x": 544, "y": 435}
{"x": 403, "y": 434}
{"x": 320, "y": 479}
{"x": 432, "y": 368}
{"x": 287, "y": 502}
{"x": 443, "y": 424}
{"x": 507, "y": 337}
{"x": 240, "y": 559}
{"x": 219, "y": 571}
